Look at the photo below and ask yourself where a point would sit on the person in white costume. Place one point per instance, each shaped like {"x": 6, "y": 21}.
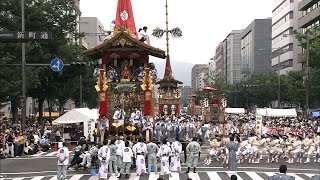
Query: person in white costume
{"x": 140, "y": 151}
{"x": 104, "y": 156}
{"x": 164, "y": 153}
{"x": 176, "y": 148}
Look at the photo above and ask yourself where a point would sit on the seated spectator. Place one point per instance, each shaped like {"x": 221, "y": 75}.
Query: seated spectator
{"x": 282, "y": 175}
{"x": 45, "y": 144}
{"x": 3, "y": 154}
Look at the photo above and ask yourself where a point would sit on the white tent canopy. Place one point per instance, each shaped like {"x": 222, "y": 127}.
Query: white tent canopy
{"x": 276, "y": 112}
{"x": 77, "y": 116}
{"x": 235, "y": 110}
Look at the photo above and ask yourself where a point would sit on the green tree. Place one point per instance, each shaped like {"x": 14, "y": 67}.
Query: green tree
{"x": 56, "y": 16}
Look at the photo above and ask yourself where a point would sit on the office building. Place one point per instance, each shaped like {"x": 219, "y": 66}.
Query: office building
{"x": 285, "y": 47}
{"x": 231, "y": 57}
{"x": 185, "y": 92}
{"x": 310, "y": 16}
{"x": 218, "y": 61}
{"x": 196, "y": 70}
{"x": 256, "y": 48}
{"x": 94, "y": 31}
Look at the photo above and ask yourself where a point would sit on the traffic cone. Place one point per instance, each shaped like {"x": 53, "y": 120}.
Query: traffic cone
{"x": 55, "y": 147}
{"x": 69, "y": 146}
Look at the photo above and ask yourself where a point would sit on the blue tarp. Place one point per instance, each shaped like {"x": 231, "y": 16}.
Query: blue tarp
{"x": 316, "y": 114}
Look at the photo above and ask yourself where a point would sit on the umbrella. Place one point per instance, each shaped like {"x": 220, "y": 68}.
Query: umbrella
{"x": 209, "y": 88}
{"x": 131, "y": 128}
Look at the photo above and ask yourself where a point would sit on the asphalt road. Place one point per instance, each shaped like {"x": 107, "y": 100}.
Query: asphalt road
{"x": 43, "y": 166}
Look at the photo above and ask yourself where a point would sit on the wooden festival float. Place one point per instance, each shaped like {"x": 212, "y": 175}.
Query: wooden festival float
{"x": 126, "y": 77}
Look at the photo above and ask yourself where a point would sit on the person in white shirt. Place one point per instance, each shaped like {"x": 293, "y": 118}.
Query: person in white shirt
{"x": 120, "y": 145}
{"x": 140, "y": 151}
{"x": 142, "y": 35}
{"x": 164, "y": 153}
{"x": 176, "y": 147}
{"x": 63, "y": 161}
{"x": 104, "y": 156}
{"x": 119, "y": 115}
{"x": 127, "y": 156}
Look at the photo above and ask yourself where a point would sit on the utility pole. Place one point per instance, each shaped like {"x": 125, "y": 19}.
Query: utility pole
{"x": 307, "y": 75}
{"x": 23, "y": 73}
{"x": 80, "y": 90}
{"x": 279, "y": 81}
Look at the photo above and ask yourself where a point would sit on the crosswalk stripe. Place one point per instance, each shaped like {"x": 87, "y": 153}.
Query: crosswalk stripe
{"x": 54, "y": 178}
{"x": 296, "y": 176}
{"x": 194, "y": 176}
{"x": 113, "y": 177}
{"x": 207, "y": 175}
{"x": 76, "y": 177}
{"x": 133, "y": 176}
{"x": 38, "y": 178}
{"x": 270, "y": 173}
{"x": 213, "y": 176}
{"x": 254, "y": 175}
{"x": 153, "y": 176}
{"x": 93, "y": 178}
{"x": 174, "y": 176}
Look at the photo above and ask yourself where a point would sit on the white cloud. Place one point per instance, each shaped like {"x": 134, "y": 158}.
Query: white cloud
{"x": 204, "y": 22}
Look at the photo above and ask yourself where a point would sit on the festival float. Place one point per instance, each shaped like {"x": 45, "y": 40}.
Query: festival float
{"x": 126, "y": 78}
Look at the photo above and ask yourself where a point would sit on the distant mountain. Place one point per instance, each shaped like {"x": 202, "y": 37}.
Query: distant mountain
{"x": 181, "y": 70}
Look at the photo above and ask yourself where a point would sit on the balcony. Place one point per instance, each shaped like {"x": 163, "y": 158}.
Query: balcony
{"x": 309, "y": 19}
{"x": 305, "y": 4}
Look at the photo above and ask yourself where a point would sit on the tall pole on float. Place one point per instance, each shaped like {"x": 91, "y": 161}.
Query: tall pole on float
{"x": 167, "y": 27}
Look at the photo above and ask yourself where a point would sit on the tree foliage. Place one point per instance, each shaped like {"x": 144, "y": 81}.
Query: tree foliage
{"x": 58, "y": 17}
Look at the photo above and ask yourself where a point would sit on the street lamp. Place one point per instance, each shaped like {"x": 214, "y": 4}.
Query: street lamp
{"x": 306, "y": 67}
{"x": 279, "y": 80}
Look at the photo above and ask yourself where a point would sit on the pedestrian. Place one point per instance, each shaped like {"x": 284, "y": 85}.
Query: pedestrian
{"x": 113, "y": 164}
{"x": 164, "y": 153}
{"x": 63, "y": 161}
{"x": 175, "y": 164}
{"x": 233, "y": 177}
{"x": 127, "y": 156}
{"x": 233, "y": 147}
{"x": 193, "y": 148}
{"x": 152, "y": 149}
{"x": 140, "y": 151}
{"x": 282, "y": 175}
{"x": 104, "y": 156}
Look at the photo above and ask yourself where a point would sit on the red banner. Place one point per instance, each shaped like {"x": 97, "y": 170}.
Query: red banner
{"x": 103, "y": 107}
{"x": 125, "y": 17}
{"x": 146, "y": 102}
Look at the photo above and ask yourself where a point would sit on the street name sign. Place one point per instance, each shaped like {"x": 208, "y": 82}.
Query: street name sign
{"x": 24, "y": 36}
